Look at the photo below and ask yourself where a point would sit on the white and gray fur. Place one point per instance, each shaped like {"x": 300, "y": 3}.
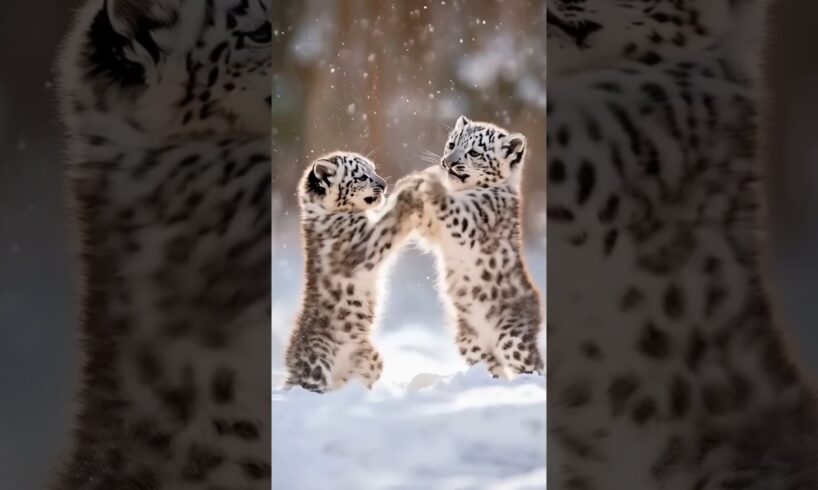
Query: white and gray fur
{"x": 666, "y": 365}
{"x": 349, "y": 235}
{"x": 166, "y": 108}
{"x": 472, "y": 221}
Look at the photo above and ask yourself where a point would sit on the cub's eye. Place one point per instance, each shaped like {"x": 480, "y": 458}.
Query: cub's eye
{"x": 262, "y": 35}
{"x": 474, "y": 154}
{"x": 361, "y": 178}
{"x": 450, "y": 145}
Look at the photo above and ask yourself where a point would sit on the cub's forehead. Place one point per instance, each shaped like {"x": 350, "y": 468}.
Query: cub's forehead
{"x": 352, "y": 160}
{"x": 482, "y": 132}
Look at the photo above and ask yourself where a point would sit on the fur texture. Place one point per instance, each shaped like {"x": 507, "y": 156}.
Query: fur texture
{"x": 347, "y": 243}
{"x": 667, "y": 369}
{"x": 471, "y": 219}
{"x": 166, "y": 107}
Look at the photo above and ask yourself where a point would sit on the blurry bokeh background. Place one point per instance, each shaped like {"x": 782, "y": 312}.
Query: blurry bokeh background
{"x": 389, "y": 79}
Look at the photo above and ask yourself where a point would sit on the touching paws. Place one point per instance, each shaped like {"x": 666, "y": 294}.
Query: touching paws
{"x": 407, "y": 190}
{"x": 432, "y": 187}
{"x": 411, "y": 181}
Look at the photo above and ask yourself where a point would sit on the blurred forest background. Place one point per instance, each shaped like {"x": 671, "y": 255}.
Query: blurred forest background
{"x": 390, "y": 78}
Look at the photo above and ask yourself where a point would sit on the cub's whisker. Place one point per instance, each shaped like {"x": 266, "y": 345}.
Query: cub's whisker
{"x": 372, "y": 152}
{"x": 429, "y": 156}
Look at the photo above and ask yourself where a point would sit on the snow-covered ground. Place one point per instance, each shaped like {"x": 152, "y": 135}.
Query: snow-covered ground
{"x": 429, "y": 423}
{"x": 466, "y": 431}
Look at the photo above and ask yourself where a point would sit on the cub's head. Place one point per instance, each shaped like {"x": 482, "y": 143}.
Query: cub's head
{"x": 342, "y": 181}
{"x": 480, "y": 154}
{"x": 171, "y": 66}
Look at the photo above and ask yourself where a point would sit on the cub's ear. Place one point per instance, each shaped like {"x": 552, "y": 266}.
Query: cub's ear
{"x": 514, "y": 146}
{"x": 461, "y": 123}
{"x": 323, "y": 170}
{"x": 144, "y": 23}
{"x": 318, "y": 179}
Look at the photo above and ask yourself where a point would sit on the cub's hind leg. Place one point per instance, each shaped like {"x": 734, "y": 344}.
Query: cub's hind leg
{"x": 474, "y": 350}
{"x": 365, "y": 364}
{"x": 518, "y": 349}
{"x": 310, "y": 361}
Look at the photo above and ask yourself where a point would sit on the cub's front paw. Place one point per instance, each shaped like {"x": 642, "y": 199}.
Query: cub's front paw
{"x": 409, "y": 182}
{"x": 432, "y": 187}
{"x": 407, "y": 190}
{"x": 408, "y": 206}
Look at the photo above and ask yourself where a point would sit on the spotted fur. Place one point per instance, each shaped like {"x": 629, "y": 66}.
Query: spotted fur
{"x": 593, "y": 34}
{"x": 347, "y": 241}
{"x": 666, "y": 369}
{"x": 471, "y": 220}
{"x": 166, "y": 105}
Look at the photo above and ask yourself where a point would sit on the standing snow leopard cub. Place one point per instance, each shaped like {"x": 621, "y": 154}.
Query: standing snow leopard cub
{"x": 471, "y": 219}
{"x": 346, "y": 242}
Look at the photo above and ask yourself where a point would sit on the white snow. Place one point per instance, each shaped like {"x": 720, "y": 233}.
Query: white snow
{"x": 429, "y": 423}
{"x": 457, "y": 432}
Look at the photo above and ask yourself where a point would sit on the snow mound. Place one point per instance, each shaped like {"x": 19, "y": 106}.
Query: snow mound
{"x": 464, "y": 431}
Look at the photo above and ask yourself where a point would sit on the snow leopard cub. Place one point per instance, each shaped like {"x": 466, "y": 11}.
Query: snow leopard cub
{"x": 346, "y": 242}
{"x": 471, "y": 219}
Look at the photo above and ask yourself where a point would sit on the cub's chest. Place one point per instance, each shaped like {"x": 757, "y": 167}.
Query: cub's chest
{"x": 472, "y": 219}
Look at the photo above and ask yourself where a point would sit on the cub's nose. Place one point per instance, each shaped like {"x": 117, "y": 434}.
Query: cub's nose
{"x": 452, "y": 158}
{"x": 380, "y": 186}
